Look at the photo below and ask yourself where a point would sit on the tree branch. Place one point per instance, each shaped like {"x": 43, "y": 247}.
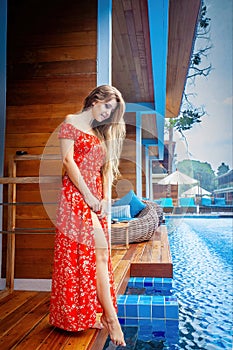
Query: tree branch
{"x": 197, "y": 71}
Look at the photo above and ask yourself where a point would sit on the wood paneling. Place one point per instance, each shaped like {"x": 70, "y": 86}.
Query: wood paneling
{"x": 51, "y": 66}
{"x": 183, "y": 16}
{"x": 50, "y": 90}
{"x": 132, "y": 71}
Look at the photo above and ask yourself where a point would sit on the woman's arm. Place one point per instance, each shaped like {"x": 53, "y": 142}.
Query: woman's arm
{"x": 67, "y": 150}
{"x": 105, "y": 203}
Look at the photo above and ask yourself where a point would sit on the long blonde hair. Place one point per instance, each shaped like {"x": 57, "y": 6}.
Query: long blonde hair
{"x": 111, "y": 131}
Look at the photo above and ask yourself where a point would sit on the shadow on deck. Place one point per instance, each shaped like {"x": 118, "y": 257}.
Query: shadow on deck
{"x": 24, "y": 314}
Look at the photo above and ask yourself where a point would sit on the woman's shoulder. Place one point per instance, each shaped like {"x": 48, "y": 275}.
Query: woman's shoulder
{"x": 69, "y": 119}
{"x": 67, "y": 128}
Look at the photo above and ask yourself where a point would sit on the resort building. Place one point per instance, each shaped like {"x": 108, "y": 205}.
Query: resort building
{"x": 225, "y": 187}
{"x": 53, "y": 53}
{"x": 56, "y": 53}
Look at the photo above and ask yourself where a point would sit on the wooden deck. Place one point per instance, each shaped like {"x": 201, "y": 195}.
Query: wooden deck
{"x": 24, "y": 314}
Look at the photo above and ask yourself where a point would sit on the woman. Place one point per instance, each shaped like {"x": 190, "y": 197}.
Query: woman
{"x": 82, "y": 285}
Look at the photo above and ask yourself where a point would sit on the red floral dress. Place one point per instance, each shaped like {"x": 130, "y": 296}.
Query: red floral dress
{"x": 74, "y": 302}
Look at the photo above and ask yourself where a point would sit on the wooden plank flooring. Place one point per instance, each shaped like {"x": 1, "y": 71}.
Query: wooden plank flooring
{"x": 24, "y": 314}
{"x": 153, "y": 258}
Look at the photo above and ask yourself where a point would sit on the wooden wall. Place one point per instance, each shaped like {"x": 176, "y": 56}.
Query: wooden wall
{"x": 52, "y": 48}
{"x": 51, "y": 66}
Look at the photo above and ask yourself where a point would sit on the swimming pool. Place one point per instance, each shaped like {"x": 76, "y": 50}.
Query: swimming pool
{"x": 203, "y": 281}
{"x": 202, "y": 259}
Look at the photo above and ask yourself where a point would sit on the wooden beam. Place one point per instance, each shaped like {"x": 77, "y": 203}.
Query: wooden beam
{"x": 148, "y": 173}
{"x": 11, "y": 220}
{"x": 29, "y": 180}
{"x": 3, "y": 59}
{"x": 138, "y": 154}
{"x": 158, "y": 12}
{"x": 104, "y": 42}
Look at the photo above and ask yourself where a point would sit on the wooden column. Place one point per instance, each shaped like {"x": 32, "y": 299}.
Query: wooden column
{"x": 10, "y": 261}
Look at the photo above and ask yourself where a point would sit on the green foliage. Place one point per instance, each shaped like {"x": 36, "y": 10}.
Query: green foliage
{"x": 196, "y": 59}
{"x": 186, "y": 120}
{"x": 201, "y": 171}
{"x": 204, "y": 21}
{"x": 222, "y": 169}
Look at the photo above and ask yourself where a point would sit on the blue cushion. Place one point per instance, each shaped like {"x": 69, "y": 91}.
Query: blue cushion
{"x": 206, "y": 201}
{"x": 166, "y": 202}
{"x": 158, "y": 201}
{"x": 121, "y": 211}
{"x": 136, "y": 205}
{"x": 126, "y": 219}
{"x": 187, "y": 202}
{"x": 219, "y": 201}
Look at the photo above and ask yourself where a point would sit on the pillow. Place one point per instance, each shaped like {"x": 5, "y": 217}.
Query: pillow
{"x": 166, "y": 202}
{"x": 187, "y": 202}
{"x": 219, "y": 201}
{"x": 136, "y": 205}
{"x": 206, "y": 201}
{"x": 121, "y": 211}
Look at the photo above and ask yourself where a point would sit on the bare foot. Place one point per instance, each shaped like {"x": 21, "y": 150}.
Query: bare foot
{"x": 114, "y": 329}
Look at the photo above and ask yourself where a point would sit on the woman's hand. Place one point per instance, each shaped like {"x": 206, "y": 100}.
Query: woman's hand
{"x": 92, "y": 201}
{"x": 104, "y": 210}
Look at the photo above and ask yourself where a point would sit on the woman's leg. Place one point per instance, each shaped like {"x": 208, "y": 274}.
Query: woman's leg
{"x": 109, "y": 317}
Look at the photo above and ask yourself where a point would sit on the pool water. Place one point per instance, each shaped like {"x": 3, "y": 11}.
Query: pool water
{"x": 202, "y": 253}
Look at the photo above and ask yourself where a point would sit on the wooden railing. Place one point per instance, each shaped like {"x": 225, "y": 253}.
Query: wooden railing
{"x": 12, "y": 180}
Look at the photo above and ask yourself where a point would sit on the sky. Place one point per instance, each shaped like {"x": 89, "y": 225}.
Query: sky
{"x": 211, "y": 140}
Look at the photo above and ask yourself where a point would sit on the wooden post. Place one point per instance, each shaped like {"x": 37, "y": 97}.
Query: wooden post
{"x": 11, "y": 221}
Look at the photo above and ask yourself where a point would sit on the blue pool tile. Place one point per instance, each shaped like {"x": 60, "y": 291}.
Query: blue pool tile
{"x": 131, "y": 299}
{"x": 167, "y": 280}
{"x": 121, "y": 321}
{"x": 122, "y": 298}
{"x": 145, "y": 337}
{"x": 131, "y": 310}
{"x": 159, "y": 334}
{"x": 145, "y": 299}
{"x": 121, "y": 310}
{"x": 159, "y": 325}
{"x": 131, "y": 282}
{"x": 145, "y": 328}
{"x": 171, "y": 302}
{"x": 144, "y": 322}
{"x": 148, "y": 282}
{"x": 172, "y": 312}
{"x": 158, "y": 280}
{"x": 158, "y": 299}
{"x": 145, "y": 331}
{"x": 145, "y": 311}
{"x": 158, "y": 311}
{"x": 139, "y": 280}
{"x": 170, "y": 298}
{"x": 172, "y": 324}
{"x": 131, "y": 322}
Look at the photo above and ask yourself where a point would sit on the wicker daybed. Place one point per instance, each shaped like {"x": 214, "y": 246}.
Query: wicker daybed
{"x": 141, "y": 229}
